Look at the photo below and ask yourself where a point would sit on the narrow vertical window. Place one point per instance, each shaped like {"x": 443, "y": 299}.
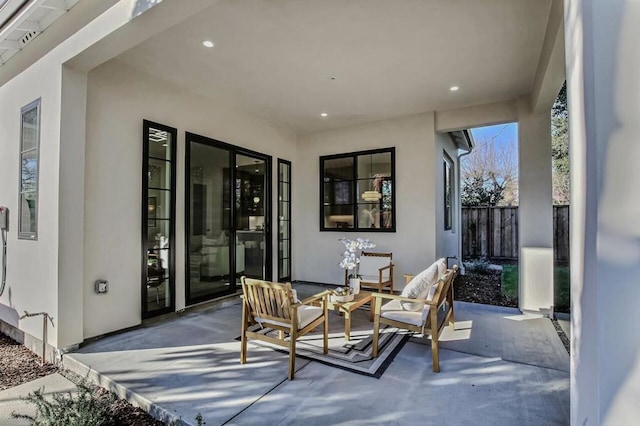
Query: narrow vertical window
{"x": 284, "y": 220}
{"x": 158, "y": 219}
{"x": 447, "y": 165}
{"x": 29, "y": 167}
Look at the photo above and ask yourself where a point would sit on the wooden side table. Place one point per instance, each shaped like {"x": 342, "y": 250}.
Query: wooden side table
{"x": 347, "y": 307}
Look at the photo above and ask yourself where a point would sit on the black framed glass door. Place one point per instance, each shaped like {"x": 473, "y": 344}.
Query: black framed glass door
{"x": 227, "y": 217}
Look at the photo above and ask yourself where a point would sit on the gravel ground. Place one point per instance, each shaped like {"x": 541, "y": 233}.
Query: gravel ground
{"x": 482, "y": 288}
{"x": 19, "y": 365}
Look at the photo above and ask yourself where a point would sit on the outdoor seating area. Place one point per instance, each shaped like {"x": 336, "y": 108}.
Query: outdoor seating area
{"x": 497, "y": 362}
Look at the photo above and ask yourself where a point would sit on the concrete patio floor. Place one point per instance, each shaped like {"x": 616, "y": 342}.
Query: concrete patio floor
{"x": 497, "y": 368}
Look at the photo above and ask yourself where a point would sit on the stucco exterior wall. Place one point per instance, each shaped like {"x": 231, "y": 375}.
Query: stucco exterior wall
{"x": 604, "y": 105}
{"x": 447, "y": 241}
{"x": 119, "y": 98}
{"x": 316, "y": 254}
{"x": 32, "y": 266}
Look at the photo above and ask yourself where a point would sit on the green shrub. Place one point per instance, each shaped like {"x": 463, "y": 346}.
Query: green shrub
{"x": 480, "y": 266}
{"x": 86, "y": 408}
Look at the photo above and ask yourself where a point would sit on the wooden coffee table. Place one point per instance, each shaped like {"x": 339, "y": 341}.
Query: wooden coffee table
{"x": 347, "y": 307}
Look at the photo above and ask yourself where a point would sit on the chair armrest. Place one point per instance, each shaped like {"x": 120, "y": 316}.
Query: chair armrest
{"x": 389, "y": 266}
{"x": 408, "y": 278}
{"x": 315, "y": 298}
{"x": 404, "y": 299}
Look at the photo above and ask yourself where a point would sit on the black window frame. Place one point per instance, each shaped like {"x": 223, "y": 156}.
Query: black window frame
{"x": 354, "y": 190}
{"x": 147, "y": 125}
{"x": 281, "y": 277}
{"x": 447, "y": 202}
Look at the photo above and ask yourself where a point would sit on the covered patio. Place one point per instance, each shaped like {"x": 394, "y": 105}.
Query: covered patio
{"x": 498, "y": 364}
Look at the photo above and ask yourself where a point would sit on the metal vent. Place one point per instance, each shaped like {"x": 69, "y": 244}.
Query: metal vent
{"x": 28, "y": 37}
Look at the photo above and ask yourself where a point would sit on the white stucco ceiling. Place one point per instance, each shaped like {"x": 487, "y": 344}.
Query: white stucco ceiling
{"x": 275, "y": 58}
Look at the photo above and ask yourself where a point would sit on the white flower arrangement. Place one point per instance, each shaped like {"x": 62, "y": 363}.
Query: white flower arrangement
{"x": 350, "y": 259}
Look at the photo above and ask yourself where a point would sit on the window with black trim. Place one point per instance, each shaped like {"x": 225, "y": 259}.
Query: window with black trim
{"x": 284, "y": 220}
{"x": 447, "y": 166}
{"x": 357, "y": 191}
{"x": 158, "y": 218}
{"x": 29, "y": 168}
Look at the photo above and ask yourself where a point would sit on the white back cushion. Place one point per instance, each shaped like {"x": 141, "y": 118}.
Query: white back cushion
{"x": 419, "y": 286}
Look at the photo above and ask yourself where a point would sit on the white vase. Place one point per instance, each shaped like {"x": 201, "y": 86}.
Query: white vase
{"x": 354, "y": 284}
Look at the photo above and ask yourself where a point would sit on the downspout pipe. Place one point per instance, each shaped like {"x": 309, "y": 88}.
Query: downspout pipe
{"x": 469, "y": 138}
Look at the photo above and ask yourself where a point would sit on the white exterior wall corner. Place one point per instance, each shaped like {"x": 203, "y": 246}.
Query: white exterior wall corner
{"x": 447, "y": 241}
{"x": 603, "y": 65}
{"x": 71, "y": 207}
{"x": 32, "y": 266}
{"x": 536, "y": 209}
{"x": 550, "y": 74}
{"x": 476, "y": 116}
{"x": 119, "y": 98}
{"x": 317, "y": 254}
{"x": 23, "y": 80}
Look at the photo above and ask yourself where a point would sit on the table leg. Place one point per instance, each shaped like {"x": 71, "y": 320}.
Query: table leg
{"x": 371, "y": 309}
{"x": 347, "y": 325}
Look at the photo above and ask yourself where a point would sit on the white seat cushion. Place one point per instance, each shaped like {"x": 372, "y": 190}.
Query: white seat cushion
{"x": 419, "y": 286}
{"x": 306, "y": 315}
{"x": 394, "y": 311}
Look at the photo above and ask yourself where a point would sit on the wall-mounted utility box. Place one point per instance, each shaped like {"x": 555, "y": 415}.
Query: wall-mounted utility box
{"x": 102, "y": 286}
{"x": 4, "y": 218}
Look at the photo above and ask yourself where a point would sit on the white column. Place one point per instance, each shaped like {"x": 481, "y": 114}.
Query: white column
{"x": 535, "y": 220}
{"x": 603, "y": 74}
{"x": 71, "y": 286}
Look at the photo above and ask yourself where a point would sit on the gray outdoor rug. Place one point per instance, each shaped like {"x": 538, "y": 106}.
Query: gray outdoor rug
{"x": 353, "y": 355}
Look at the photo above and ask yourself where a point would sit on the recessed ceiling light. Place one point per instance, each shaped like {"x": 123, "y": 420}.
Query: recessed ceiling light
{"x": 324, "y": 114}
{"x": 208, "y": 43}
{"x": 454, "y": 88}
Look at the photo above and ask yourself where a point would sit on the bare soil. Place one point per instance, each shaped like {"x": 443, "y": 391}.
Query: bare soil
{"x": 482, "y": 288}
{"x": 19, "y": 365}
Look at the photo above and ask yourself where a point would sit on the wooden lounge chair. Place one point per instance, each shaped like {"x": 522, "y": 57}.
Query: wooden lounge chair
{"x": 400, "y": 313}
{"x": 272, "y": 305}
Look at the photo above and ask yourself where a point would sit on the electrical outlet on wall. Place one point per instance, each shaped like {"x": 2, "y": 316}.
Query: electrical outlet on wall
{"x": 102, "y": 286}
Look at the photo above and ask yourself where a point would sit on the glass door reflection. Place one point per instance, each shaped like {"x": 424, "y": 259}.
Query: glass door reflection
{"x": 209, "y": 231}
{"x": 250, "y": 197}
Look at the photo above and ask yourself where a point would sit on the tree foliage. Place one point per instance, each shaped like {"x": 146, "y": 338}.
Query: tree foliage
{"x": 490, "y": 175}
{"x": 560, "y": 148}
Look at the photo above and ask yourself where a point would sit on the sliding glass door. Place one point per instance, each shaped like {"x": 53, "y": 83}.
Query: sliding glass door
{"x": 228, "y": 227}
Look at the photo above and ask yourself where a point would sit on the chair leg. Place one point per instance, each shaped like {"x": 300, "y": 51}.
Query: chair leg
{"x": 281, "y": 334}
{"x": 243, "y": 343}
{"x": 292, "y": 354}
{"x": 376, "y": 330}
{"x": 452, "y": 321}
{"x": 435, "y": 355}
{"x": 325, "y": 326}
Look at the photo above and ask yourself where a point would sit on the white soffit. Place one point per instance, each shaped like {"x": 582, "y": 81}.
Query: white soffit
{"x": 359, "y": 61}
{"x": 23, "y": 20}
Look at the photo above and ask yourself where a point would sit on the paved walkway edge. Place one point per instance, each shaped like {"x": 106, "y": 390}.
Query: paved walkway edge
{"x": 155, "y": 410}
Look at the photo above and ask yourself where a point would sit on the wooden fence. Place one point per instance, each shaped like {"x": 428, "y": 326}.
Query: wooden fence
{"x": 492, "y": 232}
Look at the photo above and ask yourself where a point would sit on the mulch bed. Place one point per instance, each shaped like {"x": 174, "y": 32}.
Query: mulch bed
{"x": 482, "y": 288}
{"x": 19, "y": 365}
